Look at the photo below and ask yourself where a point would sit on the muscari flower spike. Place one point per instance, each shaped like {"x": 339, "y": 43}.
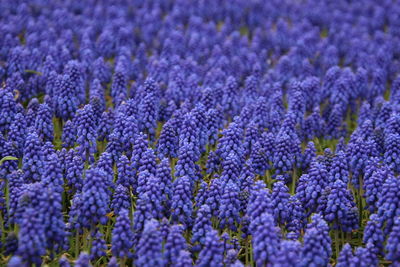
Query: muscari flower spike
{"x": 95, "y": 198}
{"x": 174, "y": 244}
{"x": 122, "y": 236}
{"x": 317, "y": 243}
{"x": 265, "y": 239}
{"x": 213, "y": 252}
{"x": 149, "y": 249}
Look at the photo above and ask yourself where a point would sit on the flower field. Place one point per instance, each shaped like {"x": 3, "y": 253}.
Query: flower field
{"x": 207, "y": 133}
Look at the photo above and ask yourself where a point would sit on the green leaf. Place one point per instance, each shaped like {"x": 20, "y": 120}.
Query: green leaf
{"x": 7, "y": 158}
{"x": 34, "y": 72}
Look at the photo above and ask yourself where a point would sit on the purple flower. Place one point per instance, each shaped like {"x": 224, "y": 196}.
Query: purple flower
{"x": 345, "y": 256}
{"x": 69, "y": 134}
{"x": 121, "y": 199}
{"x": 393, "y": 241}
{"x": 74, "y": 172}
{"x": 213, "y": 252}
{"x": 308, "y": 155}
{"x": 265, "y": 239}
{"x": 149, "y": 250}
{"x": 288, "y": 254}
{"x": 86, "y": 132}
{"x": 186, "y": 164}
{"x": 174, "y": 244}
{"x": 7, "y": 110}
{"x": 229, "y": 208}
{"x": 148, "y": 108}
{"x": 167, "y": 145}
{"x": 95, "y": 198}
{"x": 83, "y": 260}
{"x": 389, "y": 203}
{"x": 189, "y": 133}
{"x": 280, "y": 201}
{"x": 341, "y": 208}
{"x": 181, "y": 203}
{"x": 316, "y": 249}
{"x": 44, "y": 122}
{"x": 373, "y": 234}
{"x": 365, "y": 256}
{"x": 126, "y": 174}
{"x": 184, "y": 259}
{"x": 17, "y": 133}
{"x": 99, "y": 246}
{"x": 67, "y": 101}
{"x": 163, "y": 175}
{"x": 32, "y": 161}
{"x": 141, "y": 215}
{"x": 32, "y": 239}
{"x": 122, "y": 236}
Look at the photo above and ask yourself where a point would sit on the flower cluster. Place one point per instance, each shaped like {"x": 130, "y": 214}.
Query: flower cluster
{"x": 205, "y": 133}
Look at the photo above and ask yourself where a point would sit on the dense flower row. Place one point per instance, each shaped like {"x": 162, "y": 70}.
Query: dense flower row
{"x": 200, "y": 133}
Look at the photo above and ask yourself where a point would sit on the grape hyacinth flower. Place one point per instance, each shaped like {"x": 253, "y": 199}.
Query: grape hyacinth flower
{"x": 122, "y": 236}
{"x": 280, "y": 201}
{"x": 167, "y": 145}
{"x": 44, "y": 123}
{"x": 17, "y": 133}
{"x": 69, "y": 134}
{"x": 229, "y": 207}
{"x": 184, "y": 259}
{"x": 389, "y": 203}
{"x": 181, "y": 203}
{"x": 31, "y": 239}
{"x": 86, "y": 132}
{"x": 202, "y": 225}
{"x": 95, "y": 198}
{"x": 393, "y": 241}
{"x": 32, "y": 161}
{"x": 265, "y": 240}
{"x": 345, "y": 257}
{"x": 288, "y": 254}
{"x": 341, "y": 209}
{"x": 174, "y": 244}
{"x": 99, "y": 246}
{"x": 213, "y": 253}
{"x": 149, "y": 249}
{"x": 83, "y": 260}
{"x": 121, "y": 199}
{"x": 317, "y": 243}
{"x": 373, "y": 234}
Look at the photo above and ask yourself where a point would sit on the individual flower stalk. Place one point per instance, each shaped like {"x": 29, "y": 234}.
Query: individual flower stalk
{"x": 174, "y": 244}
{"x": 393, "y": 241}
{"x": 229, "y": 208}
{"x": 181, "y": 203}
{"x": 86, "y": 132}
{"x": 95, "y": 198}
{"x": 122, "y": 237}
{"x": 32, "y": 161}
{"x": 265, "y": 240}
{"x": 213, "y": 252}
{"x": 317, "y": 243}
{"x": 149, "y": 249}
{"x": 32, "y": 239}
{"x": 44, "y": 123}
{"x": 167, "y": 145}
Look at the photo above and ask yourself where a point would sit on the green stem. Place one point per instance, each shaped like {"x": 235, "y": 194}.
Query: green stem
{"x": 77, "y": 243}
{"x": 247, "y": 253}
{"x": 268, "y": 182}
{"x": 336, "y": 244}
{"x": 122, "y": 262}
{"x": 294, "y": 179}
